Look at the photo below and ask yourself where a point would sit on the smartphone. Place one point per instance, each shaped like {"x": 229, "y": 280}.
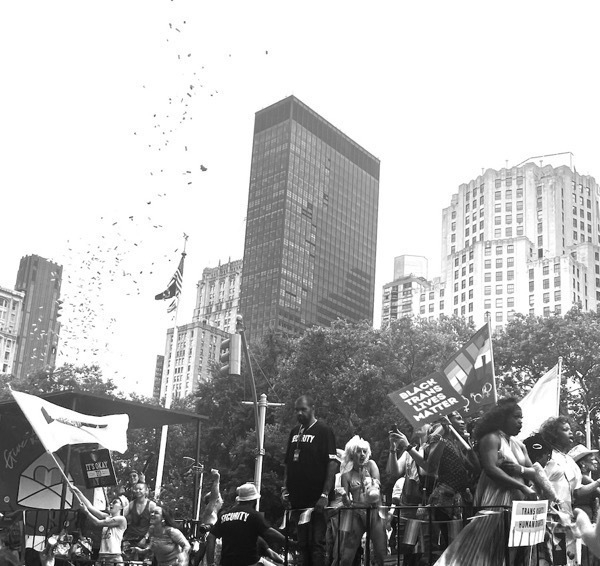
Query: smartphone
{"x": 394, "y": 428}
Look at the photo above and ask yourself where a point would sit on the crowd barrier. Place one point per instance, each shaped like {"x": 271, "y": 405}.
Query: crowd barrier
{"x": 412, "y": 531}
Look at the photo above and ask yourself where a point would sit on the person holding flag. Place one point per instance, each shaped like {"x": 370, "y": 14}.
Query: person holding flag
{"x": 113, "y": 526}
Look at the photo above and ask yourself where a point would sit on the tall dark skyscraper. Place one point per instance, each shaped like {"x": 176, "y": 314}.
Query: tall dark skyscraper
{"x": 311, "y": 232}
{"x": 40, "y": 280}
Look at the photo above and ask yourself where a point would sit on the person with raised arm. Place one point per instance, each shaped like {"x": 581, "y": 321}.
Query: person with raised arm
{"x": 113, "y": 525}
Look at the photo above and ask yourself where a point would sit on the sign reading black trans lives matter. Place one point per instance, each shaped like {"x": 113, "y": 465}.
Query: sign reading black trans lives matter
{"x": 428, "y": 399}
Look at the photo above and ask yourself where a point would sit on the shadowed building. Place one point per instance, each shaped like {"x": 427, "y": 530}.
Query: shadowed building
{"x": 39, "y": 279}
{"x": 311, "y": 232}
{"x": 11, "y": 305}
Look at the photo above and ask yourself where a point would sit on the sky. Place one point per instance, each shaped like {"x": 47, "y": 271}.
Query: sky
{"x": 125, "y": 124}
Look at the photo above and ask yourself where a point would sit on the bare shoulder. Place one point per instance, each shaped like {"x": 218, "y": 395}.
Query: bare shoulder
{"x": 490, "y": 441}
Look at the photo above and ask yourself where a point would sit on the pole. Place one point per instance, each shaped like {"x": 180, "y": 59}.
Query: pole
{"x": 588, "y": 429}
{"x": 559, "y": 371}
{"x": 260, "y": 434}
{"x": 168, "y": 398}
{"x": 260, "y": 412}
{"x": 197, "y": 485}
{"x": 199, "y": 498}
{"x": 240, "y": 329}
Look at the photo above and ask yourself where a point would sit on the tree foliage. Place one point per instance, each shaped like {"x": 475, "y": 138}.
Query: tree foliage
{"x": 85, "y": 379}
{"x": 349, "y": 369}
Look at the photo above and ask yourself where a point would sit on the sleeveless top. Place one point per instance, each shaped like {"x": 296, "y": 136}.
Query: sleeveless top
{"x": 111, "y": 539}
{"x": 166, "y": 546}
{"x": 137, "y": 523}
{"x": 491, "y": 493}
{"x": 452, "y": 469}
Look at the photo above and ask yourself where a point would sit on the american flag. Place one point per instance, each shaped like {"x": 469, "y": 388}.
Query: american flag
{"x": 174, "y": 287}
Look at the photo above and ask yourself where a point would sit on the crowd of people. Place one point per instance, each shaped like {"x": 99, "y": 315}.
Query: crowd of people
{"x": 453, "y": 484}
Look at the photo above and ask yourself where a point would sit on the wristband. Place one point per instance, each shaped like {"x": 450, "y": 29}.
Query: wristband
{"x": 325, "y": 495}
{"x": 409, "y": 447}
{"x": 522, "y": 471}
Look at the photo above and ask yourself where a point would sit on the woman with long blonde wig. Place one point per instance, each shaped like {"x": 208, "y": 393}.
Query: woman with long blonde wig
{"x": 361, "y": 483}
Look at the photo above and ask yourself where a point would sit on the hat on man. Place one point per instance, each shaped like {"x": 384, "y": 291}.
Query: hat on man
{"x": 247, "y": 492}
{"x": 579, "y": 451}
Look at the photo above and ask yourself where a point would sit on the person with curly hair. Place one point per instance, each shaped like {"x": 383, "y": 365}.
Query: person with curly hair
{"x": 361, "y": 483}
{"x": 565, "y": 475}
{"x": 506, "y": 470}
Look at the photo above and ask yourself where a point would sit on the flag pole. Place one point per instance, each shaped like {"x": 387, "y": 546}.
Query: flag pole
{"x": 168, "y": 395}
{"x": 495, "y": 392}
{"x": 559, "y": 371}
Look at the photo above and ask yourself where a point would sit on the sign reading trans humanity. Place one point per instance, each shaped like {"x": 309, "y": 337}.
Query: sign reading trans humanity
{"x": 427, "y": 400}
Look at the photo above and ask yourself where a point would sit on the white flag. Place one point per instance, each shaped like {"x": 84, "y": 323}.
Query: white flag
{"x": 56, "y": 426}
{"x": 541, "y": 402}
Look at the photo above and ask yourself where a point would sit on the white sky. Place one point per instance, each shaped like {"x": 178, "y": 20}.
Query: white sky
{"x": 99, "y": 122}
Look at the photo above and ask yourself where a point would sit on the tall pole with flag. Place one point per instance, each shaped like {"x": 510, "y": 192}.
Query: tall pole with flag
{"x": 172, "y": 291}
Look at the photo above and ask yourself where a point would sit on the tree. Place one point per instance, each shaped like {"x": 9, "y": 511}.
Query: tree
{"x": 529, "y": 346}
{"x": 348, "y": 368}
{"x": 86, "y": 378}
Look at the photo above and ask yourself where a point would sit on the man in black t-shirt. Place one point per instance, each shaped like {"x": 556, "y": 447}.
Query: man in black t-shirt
{"x": 310, "y": 466}
{"x": 239, "y": 529}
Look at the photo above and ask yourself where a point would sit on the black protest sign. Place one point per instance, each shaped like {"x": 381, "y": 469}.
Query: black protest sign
{"x": 98, "y": 470}
{"x": 427, "y": 400}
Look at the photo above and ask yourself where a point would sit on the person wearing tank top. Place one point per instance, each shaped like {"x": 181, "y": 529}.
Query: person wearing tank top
{"x": 113, "y": 526}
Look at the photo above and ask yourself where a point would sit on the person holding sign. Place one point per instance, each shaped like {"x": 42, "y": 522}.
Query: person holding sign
{"x": 499, "y": 450}
{"x": 113, "y": 526}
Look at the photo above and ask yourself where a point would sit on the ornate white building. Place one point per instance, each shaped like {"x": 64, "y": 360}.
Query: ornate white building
{"x": 519, "y": 240}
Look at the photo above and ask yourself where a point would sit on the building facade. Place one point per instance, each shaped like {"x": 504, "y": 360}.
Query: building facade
{"x": 218, "y": 295}
{"x": 519, "y": 240}
{"x": 311, "y": 232}
{"x": 403, "y": 296}
{"x": 11, "y": 306}
{"x": 198, "y": 350}
{"x": 40, "y": 280}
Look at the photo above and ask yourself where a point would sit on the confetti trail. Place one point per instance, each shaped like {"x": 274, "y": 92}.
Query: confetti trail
{"x": 113, "y": 271}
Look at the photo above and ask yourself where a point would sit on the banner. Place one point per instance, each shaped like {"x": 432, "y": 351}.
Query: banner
{"x": 427, "y": 400}
{"x": 56, "y": 426}
{"x": 541, "y": 403}
{"x": 527, "y": 523}
{"x": 471, "y": 371}
{"x": 97, "y": 468}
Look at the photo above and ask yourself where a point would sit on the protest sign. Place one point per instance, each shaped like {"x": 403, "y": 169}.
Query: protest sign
{"x": 427, "y": 400}
{"x": 97, "y": 468}
{"x": 527, "y": 523}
